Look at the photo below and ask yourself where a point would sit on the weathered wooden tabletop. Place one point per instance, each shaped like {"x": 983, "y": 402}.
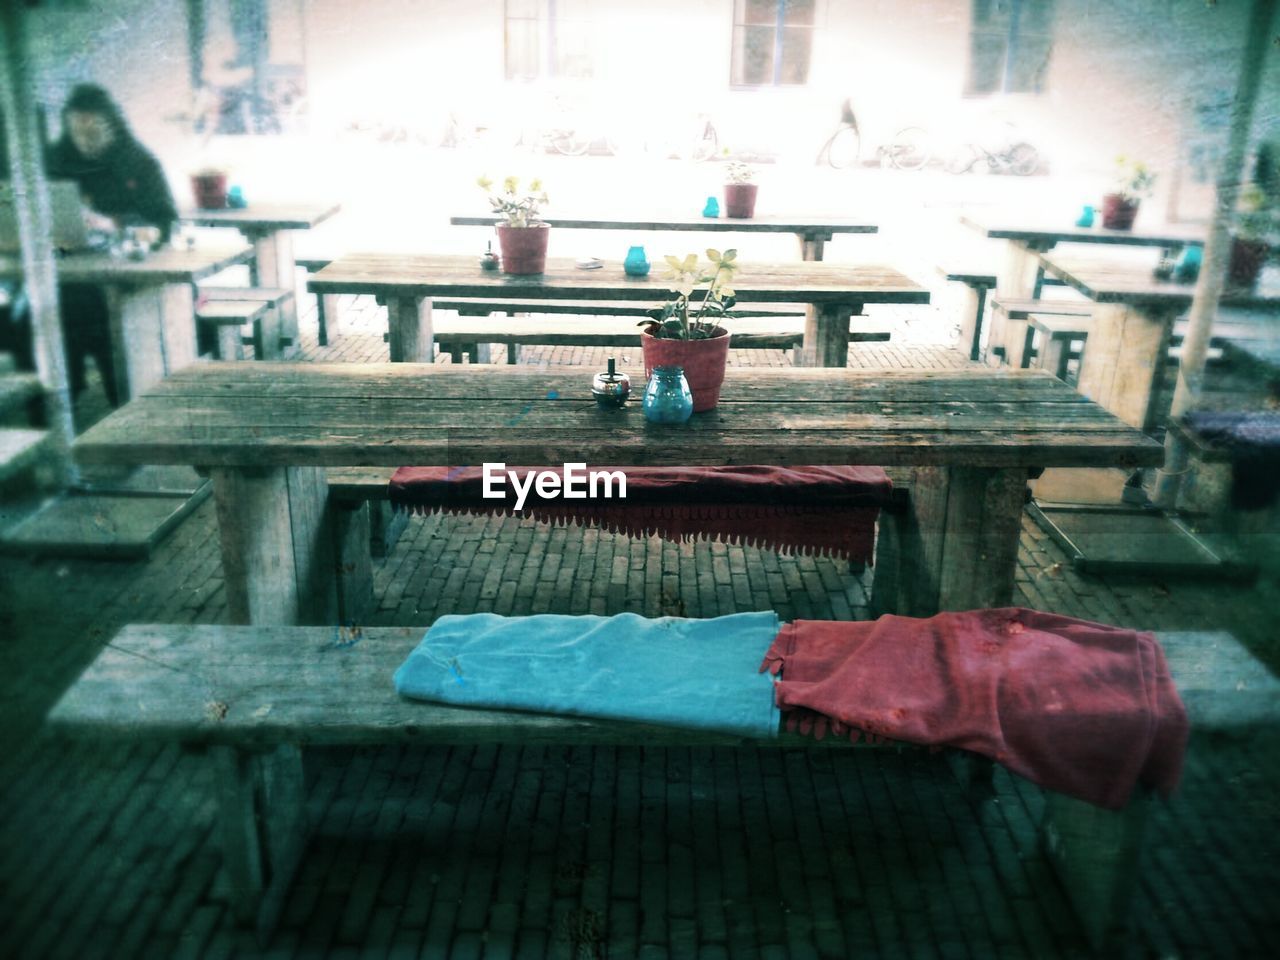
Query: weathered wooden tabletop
{"x": 167, "y": 265}
{"x": 1106, "y": 281}
{"x": 461, "y": 276}
{"x": 1045, "y": 235}
{"x": 263, "y": 415}
{"x": 802, "y": 225}
{"x": 260, "y": 217}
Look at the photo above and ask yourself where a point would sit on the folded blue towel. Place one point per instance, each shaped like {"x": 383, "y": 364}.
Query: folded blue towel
{"x": 702, "y": 674}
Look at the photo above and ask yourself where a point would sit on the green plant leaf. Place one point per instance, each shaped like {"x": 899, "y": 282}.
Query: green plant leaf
{"x": 713, "y": 255}
{"x": 729, "y": 256}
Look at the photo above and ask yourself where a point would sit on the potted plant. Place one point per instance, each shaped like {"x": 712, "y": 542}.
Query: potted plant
{"x": 1133, "y": 182}
{"x": 209, "y": 184}
{"x": 739, "y": 191}
{"x": 1255, "y": 230}
{"x": 522, "y": 237}
{"x": 687, "y": 331}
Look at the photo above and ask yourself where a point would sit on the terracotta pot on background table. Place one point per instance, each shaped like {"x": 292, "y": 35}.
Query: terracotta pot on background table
{"x": 1118, "y": 212}
{"x": 210, "y": 190}
{"x": 1247, "y": 259}
{"x": 740, "y": 200}
{"x": 524, "y": 249}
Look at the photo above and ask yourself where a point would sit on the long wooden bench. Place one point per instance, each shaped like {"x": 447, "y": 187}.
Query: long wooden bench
{"x": 1012, "y": 326}
{"x": 255, "y": 696}
{"x": 268, "y": 337}
{"x": 473, "y": 336}
{"x": 977, "y": 283}
{"x": 228, "y": 319}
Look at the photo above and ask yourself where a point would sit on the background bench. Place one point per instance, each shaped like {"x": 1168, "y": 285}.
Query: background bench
{"x": 220, "y": 306}
{"x": 257, "y": 695}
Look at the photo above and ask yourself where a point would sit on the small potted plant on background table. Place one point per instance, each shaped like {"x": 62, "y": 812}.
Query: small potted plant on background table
{"x": 739, "y": 191}
{"x": 1134, "y": 182}
{"x": 687, "y": 332}
{"x": 522, "y": 237}
{"x": 209, "y": 187}
{"x": 1254, "y": 234}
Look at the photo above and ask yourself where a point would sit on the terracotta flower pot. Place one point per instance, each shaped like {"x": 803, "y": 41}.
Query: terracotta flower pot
{"x": 210, "y": 190}
{"x": 524, "y": 249}
{"x": 1118, "y": 212}
{"x": 703, "y": 362}
{"x": 740, "y": 200}
{"x": 1247, "y": 260}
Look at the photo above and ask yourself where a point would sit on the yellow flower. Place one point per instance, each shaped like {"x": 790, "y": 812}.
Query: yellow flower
{"x": 535, "y": 185}
{"x": 484, "y": 182}
{"x": 510, "y": 184}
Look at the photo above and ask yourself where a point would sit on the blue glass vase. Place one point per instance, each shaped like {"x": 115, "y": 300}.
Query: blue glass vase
{"x": 712, "y": 209}
{"x": 636, "y": 264}
{"x": 1086, "y": 216}
{"x": 666, "y": 396}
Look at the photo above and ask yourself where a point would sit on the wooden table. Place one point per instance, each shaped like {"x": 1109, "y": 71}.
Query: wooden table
{"x": 1129, "y": 334}
{"x": 151, "y": 304}
{"x": 1022, "y": 273}
{"x": 268, "y": 431}
{"x": 269, "y": 227}
{"x": 407, "y": 283}
{"x": 811, "y": 232}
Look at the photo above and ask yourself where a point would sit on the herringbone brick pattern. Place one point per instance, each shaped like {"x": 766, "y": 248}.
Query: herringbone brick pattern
{"x": 109, "y": 850}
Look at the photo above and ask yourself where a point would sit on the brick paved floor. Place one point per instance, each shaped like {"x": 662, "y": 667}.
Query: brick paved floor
{"x": 470, "y": 852}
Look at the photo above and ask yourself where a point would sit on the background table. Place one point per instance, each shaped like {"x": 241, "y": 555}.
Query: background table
{"x": 1128, "y": 341}
{"x": 269, "y": 227}
{"x": 811, "y": 232}
{"x": 267, "y": 431}
{"x": 407, "y": 284}
{"x": 150, "y": 303}
{"x": 1021, "y": 275}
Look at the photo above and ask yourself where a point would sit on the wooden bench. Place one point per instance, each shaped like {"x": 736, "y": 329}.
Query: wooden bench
{"x": 328, "y": 317}
{"x": 473, "y": 336}
{"x": 1013, "y": 319}
{"x": 268, "y": 338}
{"x": 20, "y": 451}
{"x": 977, "y": 282}
{"x": 228, "y": 319}
{"x": 20, "y": 396}
{"x": 255, "y": 696}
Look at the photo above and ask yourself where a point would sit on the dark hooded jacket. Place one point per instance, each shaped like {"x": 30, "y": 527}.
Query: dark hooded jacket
{"x": 126, "y": 181}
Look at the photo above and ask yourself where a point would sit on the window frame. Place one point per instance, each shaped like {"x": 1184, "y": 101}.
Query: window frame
{"x": 775, "y": 82}
{"x": 545, "y": 21}
{"x": 1015, "y": 38}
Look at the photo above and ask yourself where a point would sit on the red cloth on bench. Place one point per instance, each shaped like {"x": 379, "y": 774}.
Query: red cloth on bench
{"x": 1082, "y": 708}
{"x": 822, "y": 509}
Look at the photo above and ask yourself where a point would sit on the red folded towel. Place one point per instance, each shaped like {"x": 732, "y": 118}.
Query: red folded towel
{"x": 813, "y": 509}
{"x": 1082, "y": 708}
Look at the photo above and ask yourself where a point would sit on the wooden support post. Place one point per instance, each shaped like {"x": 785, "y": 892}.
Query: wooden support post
{"x": 136, "y": 318}
{"x": 1017, "y": 280}
{"x": 1096, "y": 854}
{"x": 230, "y": 342}
{"x": 274, "y": 266}
{"x": 262, "y": 823}
{"x": 975, "y": 305}
{"x": 826, "y": 334}
{"x": 328, "y": 318}
{"x": 351, "y": 547}
{"x": 277, "y": 545}
{"x": 812, "y": 246}
{"x": 409, "y": 323}
{"x": 1054, "y": 354}
{"x": 1018, "y": 335}
{"x": 956, "y": 548}
{"x": 1128, "y": 345}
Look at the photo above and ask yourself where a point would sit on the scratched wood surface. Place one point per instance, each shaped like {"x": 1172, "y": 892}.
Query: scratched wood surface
{"x": 377, "y": 414}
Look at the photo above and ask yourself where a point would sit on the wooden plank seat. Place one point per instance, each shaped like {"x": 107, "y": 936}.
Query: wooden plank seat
{"x": 228, "y": 319}
{"x": 1012, "y": 326}
{"x": 20, "y": 395}
{"x": 759, "y": 331}
{"x": 268, "y": 339}
{"x": 254, "y": 697}
{"x": 20, "y": 450}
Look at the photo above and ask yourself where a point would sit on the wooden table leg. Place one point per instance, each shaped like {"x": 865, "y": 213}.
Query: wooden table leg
{"x": 277, "y": 545}
{"x": 1054, "y": 354}
{"x": 812, "y": 248}
{"x": 153, "y": 333}
{"x": 409, "y": 325}
{"x": 826, "y": 334}
{"x": 262, "y": 823}
{"x": 274, "y": 266}
{"x": 328, "y": 318}
{"x": 975, "y": 305}
{"x": 956, "y": 547}
{"x": 1121, "y": 368}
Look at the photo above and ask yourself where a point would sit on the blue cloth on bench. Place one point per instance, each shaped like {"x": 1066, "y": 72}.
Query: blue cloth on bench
{"x": 702, "y": 674}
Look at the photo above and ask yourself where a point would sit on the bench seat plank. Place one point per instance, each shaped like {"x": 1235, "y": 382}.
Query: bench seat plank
{"x": 231, "y": 312}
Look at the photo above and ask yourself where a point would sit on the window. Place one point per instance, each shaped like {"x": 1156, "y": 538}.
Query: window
{"x": 771, "y": 42}
{"x": 1009, "y": 46}
{"x": 548, "y": 39}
